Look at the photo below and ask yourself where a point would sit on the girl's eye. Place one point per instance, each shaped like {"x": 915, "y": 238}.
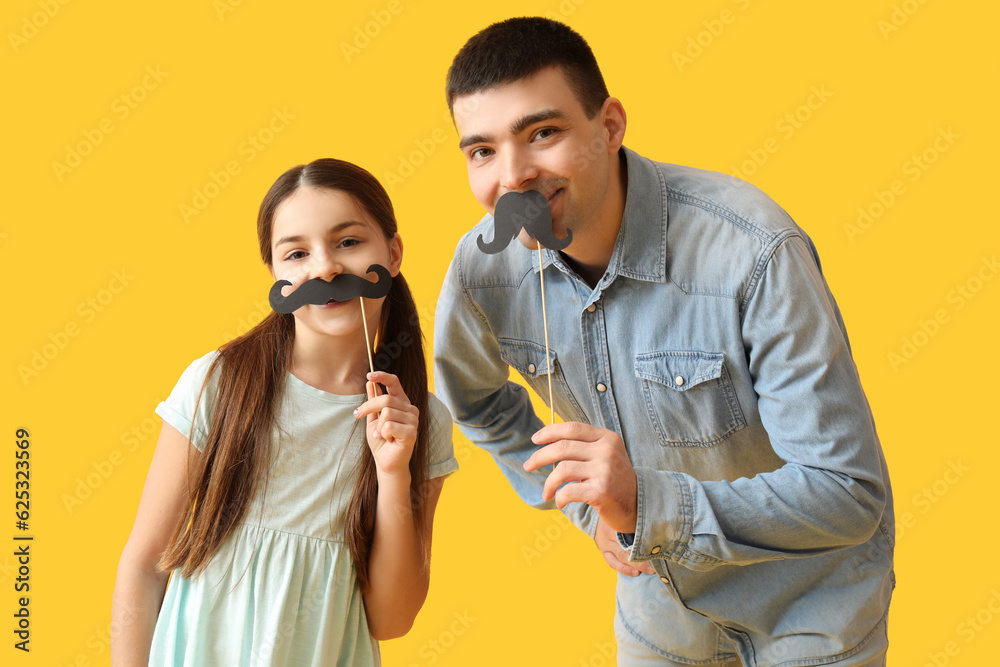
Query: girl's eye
{"x": 348, "y": 243}
{"x": 298, "y": 254}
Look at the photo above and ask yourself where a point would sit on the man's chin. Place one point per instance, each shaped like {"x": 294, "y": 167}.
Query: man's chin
{"x": 530, "y": 242}
{"x": 527, "y": 240}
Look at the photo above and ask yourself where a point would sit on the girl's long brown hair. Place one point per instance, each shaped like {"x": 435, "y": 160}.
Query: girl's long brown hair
{"x": 234, "y": 463}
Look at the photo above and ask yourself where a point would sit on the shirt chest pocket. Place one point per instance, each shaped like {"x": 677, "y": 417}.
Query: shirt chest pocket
{"x": 528, "y": 359}
{"x": 689, "y": 396}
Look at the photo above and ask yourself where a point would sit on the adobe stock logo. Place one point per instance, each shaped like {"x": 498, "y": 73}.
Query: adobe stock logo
{"x": 38, "y": 20}
{"x": 958, "y": 297}
{"x": 381, "y": 18}
{"x": 122, "y": 107}
{"x": 704, "y": 39}
{"x": 786, "y": 126}
{"x": 914, "y": 167}
{"x": 248, "y": 149}
{"x": 59, "y": 340}
{"x": 900, "y": 16}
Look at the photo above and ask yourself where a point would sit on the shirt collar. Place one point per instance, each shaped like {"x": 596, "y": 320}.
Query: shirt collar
{"x": 640, "y": 250}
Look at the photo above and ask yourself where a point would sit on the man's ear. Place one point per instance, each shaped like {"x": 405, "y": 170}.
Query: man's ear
{"x": 613, "y": 119}
{"x": 395, "y": 255}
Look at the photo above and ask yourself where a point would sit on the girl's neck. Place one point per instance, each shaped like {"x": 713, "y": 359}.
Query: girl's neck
{"x": 336, "y": 365}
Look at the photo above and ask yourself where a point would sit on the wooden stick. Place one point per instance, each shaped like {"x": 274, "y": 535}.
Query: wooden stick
{"x": 545, "y": 322}
{"x": 368, "y": 346}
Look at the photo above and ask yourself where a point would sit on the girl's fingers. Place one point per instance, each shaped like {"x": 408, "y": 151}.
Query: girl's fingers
{"x": 394, "y": 419}
{"x": 390, "y": 381}
{"x": 379, "y": 403}
{"x": 390, "y": 414}
{"x": 396, "y": 432}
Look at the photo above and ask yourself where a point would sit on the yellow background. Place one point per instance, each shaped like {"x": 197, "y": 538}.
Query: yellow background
{"x": 531, "y": 590}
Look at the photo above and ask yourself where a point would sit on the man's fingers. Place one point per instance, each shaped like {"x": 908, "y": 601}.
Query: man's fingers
{"x": 567, "y": 471}
{"x": 561, "y": 450}
{"x": 565, "y": 431}
{"x": 615, "y": 564}
{"x": 578, "y": 492}
{"x": 618, "y": 558}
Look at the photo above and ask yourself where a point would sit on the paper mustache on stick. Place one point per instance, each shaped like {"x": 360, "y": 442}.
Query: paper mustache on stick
{"x": 530, "y": 210}
{"x": 343, "y": 287}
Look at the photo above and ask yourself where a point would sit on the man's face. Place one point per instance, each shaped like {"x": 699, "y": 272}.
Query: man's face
{"x": 533, "y": 134}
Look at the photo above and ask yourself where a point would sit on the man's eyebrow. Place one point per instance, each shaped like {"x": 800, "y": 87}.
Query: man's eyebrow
{"x": 516, "y": 127}
{"x": 524, "y": 122}
{"x": 474, "y": 139}
{"x": 333, "y": 230}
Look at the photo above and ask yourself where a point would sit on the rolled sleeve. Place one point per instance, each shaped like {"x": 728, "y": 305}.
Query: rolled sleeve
{"x": 474, "y": 383}
{"x": 441, "y": 454}
{"x": 187, "y": 407}
{"x": 830, "y": 493}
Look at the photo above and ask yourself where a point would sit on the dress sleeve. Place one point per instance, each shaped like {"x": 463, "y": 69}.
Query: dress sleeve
{"x": 180, "y": 409}
{"x": 830, "y": 493}
{"x": 441, "y": 456}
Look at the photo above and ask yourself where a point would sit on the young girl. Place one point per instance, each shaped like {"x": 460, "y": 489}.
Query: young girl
{"x": 293, "y": 515}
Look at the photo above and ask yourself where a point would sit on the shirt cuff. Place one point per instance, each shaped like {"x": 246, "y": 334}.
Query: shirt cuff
{"x": 664, "y": 517}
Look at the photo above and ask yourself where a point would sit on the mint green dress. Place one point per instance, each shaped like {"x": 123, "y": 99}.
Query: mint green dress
{"x": 282, "y": 590}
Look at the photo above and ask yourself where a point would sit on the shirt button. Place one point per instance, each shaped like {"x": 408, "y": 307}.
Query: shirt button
{"x": 679, "y": 381}
{"x": 654, "y": 550}
{"x": 602, "y": 387}
{"x": 531, "y": 368}
{"x": 664, "y": 580}
{"x": 591, "y": 308}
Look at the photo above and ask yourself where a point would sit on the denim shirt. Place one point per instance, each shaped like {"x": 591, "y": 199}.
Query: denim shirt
{"x": 714, "y": 347}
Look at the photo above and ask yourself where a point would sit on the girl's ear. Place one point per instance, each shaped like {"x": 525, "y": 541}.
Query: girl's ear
{"x": 395, "y": 255}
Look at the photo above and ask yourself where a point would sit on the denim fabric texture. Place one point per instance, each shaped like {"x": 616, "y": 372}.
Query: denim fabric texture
{"x": 714, "y": 347}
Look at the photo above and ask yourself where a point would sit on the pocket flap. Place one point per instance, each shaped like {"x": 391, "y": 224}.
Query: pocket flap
{"x": 679, "y": 370}
{"x": 526, "y": 357}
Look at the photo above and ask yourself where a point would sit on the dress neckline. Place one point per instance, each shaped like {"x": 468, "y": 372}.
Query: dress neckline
{"x": 305, "y": 388}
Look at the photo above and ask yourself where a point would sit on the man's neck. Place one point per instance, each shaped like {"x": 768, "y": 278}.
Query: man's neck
{"x": 590, "y": 253}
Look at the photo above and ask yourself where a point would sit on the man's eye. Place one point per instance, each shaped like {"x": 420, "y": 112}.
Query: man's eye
{"x": 545, "y": 132}
{"x": 480, "y": 153}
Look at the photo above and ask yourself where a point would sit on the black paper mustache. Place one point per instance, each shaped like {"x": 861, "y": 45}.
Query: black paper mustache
{"x": 343, "y": 287}
{"x": 530, "y": 210}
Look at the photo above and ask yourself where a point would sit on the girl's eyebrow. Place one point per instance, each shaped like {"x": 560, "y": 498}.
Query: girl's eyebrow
{"x": 333, "y": 230}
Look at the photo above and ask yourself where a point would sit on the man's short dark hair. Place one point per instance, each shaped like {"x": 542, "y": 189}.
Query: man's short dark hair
{"x": 519, "y": 47}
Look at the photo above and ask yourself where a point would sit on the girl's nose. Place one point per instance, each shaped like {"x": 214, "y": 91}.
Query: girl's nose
{"x": 326, "y": 267}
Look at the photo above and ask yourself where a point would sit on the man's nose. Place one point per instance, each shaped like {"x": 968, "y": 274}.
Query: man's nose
{"x": 518, "y": 169}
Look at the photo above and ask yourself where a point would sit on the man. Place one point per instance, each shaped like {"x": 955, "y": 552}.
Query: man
{"x": 716, "y": 435}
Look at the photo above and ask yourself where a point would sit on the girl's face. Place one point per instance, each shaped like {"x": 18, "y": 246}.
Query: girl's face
{"x": 321, "y": 233}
